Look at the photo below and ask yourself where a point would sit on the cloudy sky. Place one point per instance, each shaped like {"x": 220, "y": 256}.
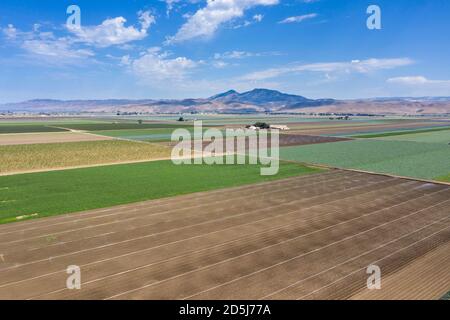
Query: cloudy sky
{"x": 196, "y": 48}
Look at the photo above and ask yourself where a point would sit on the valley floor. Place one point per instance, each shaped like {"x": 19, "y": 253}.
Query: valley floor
{"x": 302, "y": 237}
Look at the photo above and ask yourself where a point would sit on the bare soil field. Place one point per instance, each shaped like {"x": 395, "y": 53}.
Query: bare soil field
{"x": 299, "y": 140}
{"x": 296, "y": 238}
{"x": 419, "y": 280}
{"x": 55, "y": 137}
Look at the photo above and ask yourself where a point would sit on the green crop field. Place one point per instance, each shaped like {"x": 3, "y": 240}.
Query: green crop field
{"x": 44, "y": 125}
{"x": 444, "y": 178}
{"x": 151, "y": 135}
{"x": 442, "y": 137}
{"x": 56, "y": 192}
{"x": 163, "y": 134}
{"x": 133, "y": 132}
{"x": 27, "y": 128}
{"x": 17, "y": 158}
{"x": 123, "y": 126}
{"x": 405, "y": 158}
{"x": 398, "y": 133}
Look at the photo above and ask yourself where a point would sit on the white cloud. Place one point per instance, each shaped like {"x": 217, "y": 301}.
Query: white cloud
{"x": 297, "y": 19}
{"x": 418, "y": 86}
{"x": 219, "y": 64}
{"x": 234, "y": 55}
{"x": 206, "y": 21}
{"x": 358, "y": 66}
{"x": 56, "y": 48}
{"x": 45, "y": 46}
{"x": 113, "y": 31}
{"x": 255, "y": 19}
{"x": 170, "y": 4}
{"x": 10, "y": 32}
{"x": 155, "y": 65}
{"x": 125, "y": 60}
{"x": 258, "y": 17}
{"x": 417, "y": 81}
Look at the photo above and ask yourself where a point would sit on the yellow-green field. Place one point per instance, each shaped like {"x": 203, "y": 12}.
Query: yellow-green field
{"x": 444, "y": 178}
{"x": 18, "y": 158}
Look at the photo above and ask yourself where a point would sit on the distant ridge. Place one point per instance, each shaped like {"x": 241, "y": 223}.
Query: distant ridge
{"x": 269, "y": 98}
{"x": 253, "y": 101}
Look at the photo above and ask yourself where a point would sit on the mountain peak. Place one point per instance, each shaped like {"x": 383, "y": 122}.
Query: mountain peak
{"x": 263, "y": 90}
{"x": 224, "y": 94}
{"x": 260, "y": 97}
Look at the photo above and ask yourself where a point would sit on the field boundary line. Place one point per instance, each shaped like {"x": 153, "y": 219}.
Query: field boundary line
{"x": 289, "y": 187}
{"x": 81, "y": 215}
{"x": 324, "y": 166}
{"x": 3, "y": 174}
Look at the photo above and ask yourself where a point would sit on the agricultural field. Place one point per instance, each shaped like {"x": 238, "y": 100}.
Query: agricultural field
{"x": 419, "y": 275}
{"x": 155, "y": 230}
{"x": 439, "y": 136}
{"x": 349, "y": 129}
{"x": 402, "y": 133}
{"x": 53, "y": 137}
{"x": 57, "y": 192}
{"x": 223, "y": 119}
{"x": 123, "y": 126}
{"x": 444, "y": 178}
{"x": 13, "y": 128}
{"x": 81, "y": 125}
{"x": 404, "y": 158}
{"x": 305, "y": 237}
{"x": 153, "y": 135}
{"x": 41, "y": 125}
{"x": 31, "y": 157}
{"x": 227, "y": 150}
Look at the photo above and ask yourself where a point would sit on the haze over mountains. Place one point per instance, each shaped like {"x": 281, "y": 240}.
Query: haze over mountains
{"x": 254, "y": 101}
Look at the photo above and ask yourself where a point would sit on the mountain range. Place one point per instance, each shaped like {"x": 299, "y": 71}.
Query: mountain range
{"x": 254, "y": 101}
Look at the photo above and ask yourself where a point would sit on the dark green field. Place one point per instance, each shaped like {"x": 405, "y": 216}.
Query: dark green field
{"x": 123, "y": 126}
{"x": 56, "y": 192}
{"x": 398, "y": 133}
{"x": 28, "y": 128}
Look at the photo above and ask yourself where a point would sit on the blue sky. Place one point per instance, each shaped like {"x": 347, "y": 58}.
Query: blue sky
{"x": 196, "y": 48}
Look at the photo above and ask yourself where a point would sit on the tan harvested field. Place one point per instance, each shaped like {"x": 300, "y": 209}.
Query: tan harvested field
{"x": 297, "y": 238}
{"x": 52, "y": 156}
{"x": 54, "y": 137}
